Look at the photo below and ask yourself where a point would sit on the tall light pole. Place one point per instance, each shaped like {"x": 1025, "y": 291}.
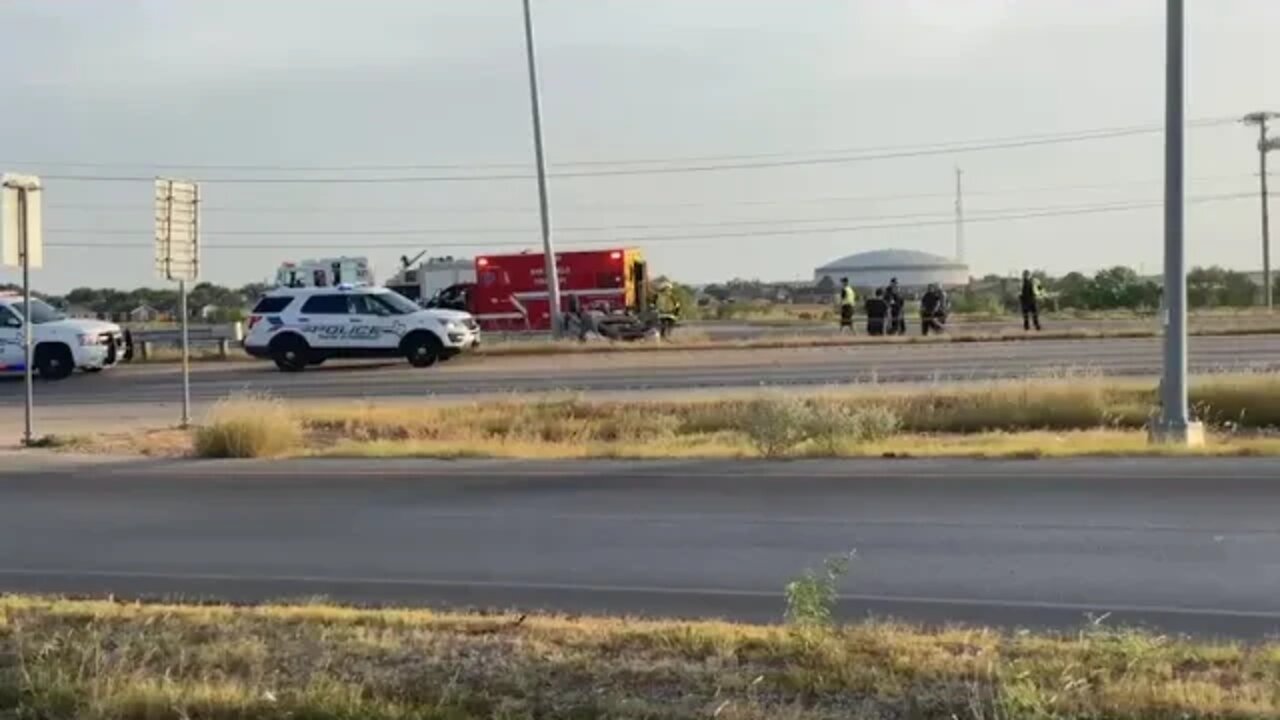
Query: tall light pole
{"x": 1265, "y": 145}
{"x": 1174, "y": 424}
{"x": 544, "y": 208}
{"x": 959, "y": 215}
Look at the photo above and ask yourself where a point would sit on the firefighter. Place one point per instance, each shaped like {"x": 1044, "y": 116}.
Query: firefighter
{"x": 933, "y": 310}
{"x": 1029, "y": 298}
{"x": 893, "y": 296}
{"x": 668, "y": 307}
{"x": 877, "y": 311}
{"x": 845, "y": 303}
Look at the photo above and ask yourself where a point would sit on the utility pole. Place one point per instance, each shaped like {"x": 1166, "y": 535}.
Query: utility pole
{"x": 548, "y": 251}
{"x": 959, "y": 215}
{"x": 1265, "y": 145}
{"x": 1174, "y": 425}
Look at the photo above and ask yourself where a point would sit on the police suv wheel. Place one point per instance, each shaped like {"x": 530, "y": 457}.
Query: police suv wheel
{"x": 291, "y": 355}
{"x": 422, "y": 350}
{"x": 54, "y": 362}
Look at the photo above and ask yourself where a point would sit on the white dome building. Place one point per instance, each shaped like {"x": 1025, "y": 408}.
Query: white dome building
{"x": 914, "y": 269}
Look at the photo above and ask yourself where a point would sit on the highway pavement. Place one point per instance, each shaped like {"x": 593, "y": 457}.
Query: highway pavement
{"x": 123, "y": 387}
{"x": 1182, "y": 545}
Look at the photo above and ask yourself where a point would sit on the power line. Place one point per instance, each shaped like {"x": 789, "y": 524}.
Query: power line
{"x": 1065, "y": 136}
{"x": 382, "y": 232}
{"x": 499, "y": 209}
{"x": 640, "y": 239}
{"x": 921, "y": 151}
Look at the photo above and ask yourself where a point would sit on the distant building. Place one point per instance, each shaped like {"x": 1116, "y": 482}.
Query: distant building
{"x": 912, "y": 268}
{"x": 144, "y": 314}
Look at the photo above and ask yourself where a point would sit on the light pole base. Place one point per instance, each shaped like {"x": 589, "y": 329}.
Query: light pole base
{"x": 1190, "y": 434}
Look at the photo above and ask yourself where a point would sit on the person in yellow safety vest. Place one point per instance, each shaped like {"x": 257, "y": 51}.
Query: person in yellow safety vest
{"x": 846, "y": 301}
{"x": 668, "y": 307}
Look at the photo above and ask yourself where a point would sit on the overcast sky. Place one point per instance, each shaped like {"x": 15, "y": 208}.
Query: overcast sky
{"x": 125, "y": 85}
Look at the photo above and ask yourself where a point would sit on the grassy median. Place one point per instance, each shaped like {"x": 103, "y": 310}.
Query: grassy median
{"x": 106, "y": 660}
{"x": 1043, "y": 417}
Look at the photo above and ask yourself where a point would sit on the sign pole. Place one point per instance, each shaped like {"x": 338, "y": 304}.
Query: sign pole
{"x": 186, "y": 357}
{"x": 28, "y": 433}
{"x": 177, "y": 206}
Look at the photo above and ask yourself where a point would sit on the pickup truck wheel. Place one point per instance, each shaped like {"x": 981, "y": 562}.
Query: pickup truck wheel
{"x": 54, "y": 362}
{"x": 290, "y": 354}
{"x": 422, "y": 350}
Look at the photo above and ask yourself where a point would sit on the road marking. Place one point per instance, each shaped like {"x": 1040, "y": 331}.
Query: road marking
{"x": 636, "y": 589}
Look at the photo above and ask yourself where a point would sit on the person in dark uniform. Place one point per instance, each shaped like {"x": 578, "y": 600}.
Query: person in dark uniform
{"x": 933, "y": 310}
{"x": 877, "y": 311}
{"x": 1029, "y": 298}
{"x": 846, "y": 301}
{"x": 893, "y": 296}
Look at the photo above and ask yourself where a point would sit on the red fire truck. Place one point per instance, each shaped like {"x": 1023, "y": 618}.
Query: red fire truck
{"x": 510, "y": 291}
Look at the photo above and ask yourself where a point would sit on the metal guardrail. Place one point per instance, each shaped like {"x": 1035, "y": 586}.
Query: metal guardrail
{"x": 222, "y": 338}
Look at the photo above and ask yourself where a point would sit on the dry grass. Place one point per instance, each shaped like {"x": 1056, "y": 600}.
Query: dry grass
{"x": 248, "y": 427}
{"x": 98, "y": 660}
{"x": 1065, "y": 415}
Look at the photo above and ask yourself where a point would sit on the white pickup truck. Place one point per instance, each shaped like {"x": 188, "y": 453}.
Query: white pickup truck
{"x": 62, "y": 344}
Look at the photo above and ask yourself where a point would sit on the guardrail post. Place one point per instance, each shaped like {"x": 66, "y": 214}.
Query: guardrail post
{"x": 144, "y": 349}
{"x": 224, "y": 348}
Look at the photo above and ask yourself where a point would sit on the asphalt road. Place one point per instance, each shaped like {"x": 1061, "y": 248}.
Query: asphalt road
{"x": 1181, "y": 545}
{"x": 642, "y": 371}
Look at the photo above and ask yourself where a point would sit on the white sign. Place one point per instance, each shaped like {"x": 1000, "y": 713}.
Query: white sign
{"x": 177, "y": 229}
{"x": 19, "y": 202}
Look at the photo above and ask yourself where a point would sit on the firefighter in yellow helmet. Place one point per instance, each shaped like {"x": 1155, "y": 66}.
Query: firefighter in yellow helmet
{"x": 668, "y": 307}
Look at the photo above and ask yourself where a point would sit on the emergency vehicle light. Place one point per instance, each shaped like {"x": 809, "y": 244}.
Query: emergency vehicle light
{"x": 615, "y": 255}
{"x": 482, "y": 262}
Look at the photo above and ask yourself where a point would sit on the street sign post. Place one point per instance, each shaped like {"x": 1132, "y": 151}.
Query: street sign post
{"x": 22, "y": 245}
{"x": 177, "y": 216}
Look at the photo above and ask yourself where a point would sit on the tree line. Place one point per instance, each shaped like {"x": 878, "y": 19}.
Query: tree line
{"x": 1115, "y": 288}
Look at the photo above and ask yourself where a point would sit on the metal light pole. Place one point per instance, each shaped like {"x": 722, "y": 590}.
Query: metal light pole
{"x": 28, "y": 342}
{"x": 1265, "y": 145}
{"x": 548, "y": 251}
{"x": 1174, "y": 425}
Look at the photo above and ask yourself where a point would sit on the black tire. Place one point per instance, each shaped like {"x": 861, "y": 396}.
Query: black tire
{"x": 54, "y": 362}
{"x": 422, "y": 350}
{"x": 291, "y": 353}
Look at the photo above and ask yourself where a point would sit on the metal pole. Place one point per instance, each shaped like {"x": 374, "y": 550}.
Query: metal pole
{"x": 28, "y": 433}
{"x": 553, "y": 277}
{"x": 186, "y": 356}
{"x": 1174, "y": 419}
{"x": 1266, "y": 214}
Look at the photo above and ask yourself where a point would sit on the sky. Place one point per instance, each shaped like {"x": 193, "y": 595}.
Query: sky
{"x": 381, "y": 105}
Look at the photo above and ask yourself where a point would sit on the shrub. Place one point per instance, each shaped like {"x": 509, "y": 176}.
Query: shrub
{"x": 248, "y": 427}
{"x": 811, "y": 598}
{"x": 832, "y": 426}
{"x": 774, "y": 425}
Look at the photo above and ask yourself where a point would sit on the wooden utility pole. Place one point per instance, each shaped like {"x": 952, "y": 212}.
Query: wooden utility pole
{"x": 1265, "y": 145}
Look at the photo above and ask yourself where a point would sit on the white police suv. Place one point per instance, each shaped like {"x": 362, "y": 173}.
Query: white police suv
{"x": 62, "y": 344}
{"x": 297, "y": 327}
